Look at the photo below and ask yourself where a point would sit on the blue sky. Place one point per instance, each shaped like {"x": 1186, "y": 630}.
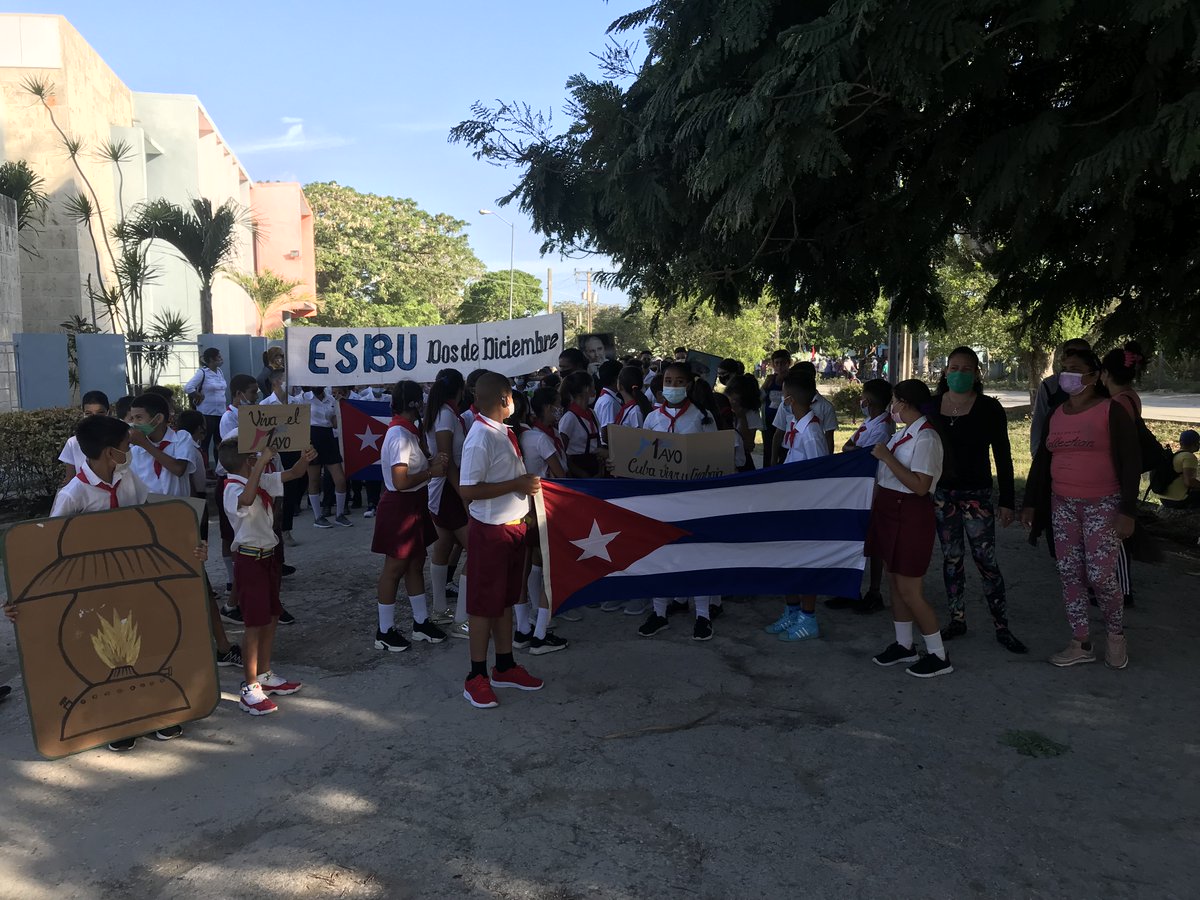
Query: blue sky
{"x": 363, "y": 93}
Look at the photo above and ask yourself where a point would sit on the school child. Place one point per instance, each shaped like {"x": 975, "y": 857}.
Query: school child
{"x": 495, "y": 483}
{"x": 578, "y": 426}
{"x": 803, "y": 440}
{"x": 247, "y": 499}
{"x": 120, "y": 409}
{"x": 902, "y": 529}
{"x": 403, "y": 527}
{"x": 293, "y": 491}
{"x": 877, "y": 428}
{"x": 169, "y": 396}
{"x": 106, "y": 480}
{"x": 323, "y": 418}
{"x": 745, "y": 401}
{"x": 678, "y": 415}
{"x": 468, "y": 402}
{"x": 824, "y": 410}
{"x": 445, "y": 431}
{"x": 545, "y": 456}
{"x": 243, "y": 389}
{"x": 608, "y": 401}
{"x": 161, "y": 457}
{"x": 635, "y": 405}
{"x": 94, "y": 403}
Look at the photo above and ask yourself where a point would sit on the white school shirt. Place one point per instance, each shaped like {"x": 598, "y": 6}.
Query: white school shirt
{"x": 919, "y": 449}
{"x": 805, "y": 440}
{"x": 324, "y": 410}
{"x": 579, "y": 435}
{"x": 539, "y": 448}
{"x": 739, "y": 451}
{"x": 446, "y": 420}
{"x": 163, "y": 482}
{"x": 401, "y": 448}
{"x": 688, "y": 420}
{"x": 874, "y": 431}
{"x": 227, "y": 428}
{"x": 211, "y": 386}
{"x": 269, "y": 400}
{"x": 631, "y": 416}
{"x": 71, "y": 454}
{"x": 488, "y": 458}
{"x": 253, "y": 525}
{"x": 606, "y": 408}
{"x": 468, "y": 416}
{"x": 80, "y": 496}
{"x": 823, "y": 409}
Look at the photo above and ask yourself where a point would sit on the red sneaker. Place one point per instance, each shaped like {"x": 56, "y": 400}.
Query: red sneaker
{"x": 479, "y": 693}
{"x": 516, "y": 677}
{"x": 277, "y": 684}
{"x": 255, "y": 702}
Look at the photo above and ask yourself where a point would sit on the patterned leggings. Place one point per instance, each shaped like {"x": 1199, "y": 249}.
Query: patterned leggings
{"x": 970, "y": 512}
{"x": 1086, "y": 550}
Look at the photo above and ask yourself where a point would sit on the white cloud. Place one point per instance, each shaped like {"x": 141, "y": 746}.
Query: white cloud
{"x": 293, "y": 138}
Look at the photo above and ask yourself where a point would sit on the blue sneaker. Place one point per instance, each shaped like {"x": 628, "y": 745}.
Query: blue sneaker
{"x": 784, "y": 622}
{"x": 803, "y": 628}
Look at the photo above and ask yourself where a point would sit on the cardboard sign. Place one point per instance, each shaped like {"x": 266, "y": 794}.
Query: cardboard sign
{"x": 704, "y": 365}
{"x": 279, "y": 426}
{"x": 640, "y": 453}
{"x": 335, "y": 356}
{"x": 112, "y": 625}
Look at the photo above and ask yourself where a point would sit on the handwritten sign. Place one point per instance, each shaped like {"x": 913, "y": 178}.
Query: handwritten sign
{"x": 639, "y": 453}
{"x": 280, "y": 426}
{"x": 334, "y": 356}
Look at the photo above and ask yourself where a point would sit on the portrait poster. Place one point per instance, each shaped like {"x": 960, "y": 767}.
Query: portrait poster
{"x": 704, "y": 365}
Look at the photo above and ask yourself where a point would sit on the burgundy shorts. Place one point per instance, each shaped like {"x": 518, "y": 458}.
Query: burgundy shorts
{"x": 222, "y": 518}
{"x": 403, "y": 525}
{"x": 450, "y": 515}
{"x": 257, "y": 583}
{"x": 901, "y": 532}
{"x": 495, "y": 565}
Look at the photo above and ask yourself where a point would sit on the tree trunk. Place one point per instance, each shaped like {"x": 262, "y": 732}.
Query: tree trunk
{"x": 206, "y": 310}
{"x": 1041, "y": 366}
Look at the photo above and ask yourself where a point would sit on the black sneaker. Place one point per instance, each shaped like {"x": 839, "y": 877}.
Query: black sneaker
{"x": 895, "y": 653}
{"x": 653, "y": 625}
{"x": 286, "y": 570}
{"x": 954, "y": 628}
{"x": 169, "y": 733}
{"x": 521, "y": 639}
{"x": 840, "y": 602}
{"x": 677, "y": 606}
{"x": 232, "y": 614}
{"x": 122, "y": 746}
{"x": 286, "y": 618}
{"x": 390, "y": 640}
{"x": 1009, "y": 641}
{"x": 427, "y": 631}
{"x": 716, "y": 610}
{"x": 232, "y": 657}
{"x": 228, "y": 588}
{"x": 702, "y": 630}
{"x": 871, "y": 602}
{"x": 451, "y": 590}
{"x": 930, "y": 666}
{"x": 551, "y": 642}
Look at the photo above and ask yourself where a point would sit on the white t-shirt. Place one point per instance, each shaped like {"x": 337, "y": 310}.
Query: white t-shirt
{"x": 805, "y": 440}
{"x": 489, "y": 458}
{"x": 919, "y": 449}
{"x": 253, "y": 525}
{"x": 401, "y": 448}
{"x": 579, "y": 434}
{"x": 81, "y": 494}
{"x": 631, "y": 416}
{"x": 538, "y": 448}
{"x": 446, "y": 420}
{"x": 174, "y": 444}
{"x": 324, "y": 411}
{"x": 874, "y": 431}
{"x": 606, "y": 408}
{"x": 687, "y": 419}
{"x": 823, "y": 409}
{"x": 72, "y": 455}
{"x": 211, "y": 385}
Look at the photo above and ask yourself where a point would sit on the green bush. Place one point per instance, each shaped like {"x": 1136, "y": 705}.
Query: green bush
{"x": 845, "y": 402}
{"x": 30, "y": 442}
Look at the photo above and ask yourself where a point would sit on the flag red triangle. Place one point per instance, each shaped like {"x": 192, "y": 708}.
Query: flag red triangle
{"x": 589, "y": 538}
{"x": 362, "y": 439}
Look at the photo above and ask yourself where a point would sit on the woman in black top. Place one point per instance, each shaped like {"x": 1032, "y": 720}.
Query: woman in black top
{"x": 973, "y": 425}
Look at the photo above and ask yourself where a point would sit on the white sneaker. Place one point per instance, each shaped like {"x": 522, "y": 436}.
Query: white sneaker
{"x": 255, "y": 701}
{"x": 611, "y": 605}
{"x": 460, "y": 630}
{"x": 288, "y": 540}
{"x": 636, "y": 607}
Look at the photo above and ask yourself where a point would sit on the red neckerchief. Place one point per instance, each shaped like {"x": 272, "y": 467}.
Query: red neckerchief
{"x": 267, "y": 503}
{"x": 474, "y": 411}
{"x": 610, "y": 393}
{"x": 586, "y": 417}
{"x": 411, "y": 429}
{"x": 512, "y": 437}
{"x": 157, "y": 465}
{"x": 111, "y": 491}
{"x": 626, "y": 407}
{"x": 908, "y": 436}
{"x": 548, "y": 432}
{"x": 666, "y": 411}
{"x": 462, "y": 423}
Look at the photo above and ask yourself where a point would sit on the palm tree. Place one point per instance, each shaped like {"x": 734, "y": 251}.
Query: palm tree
{"x": 25, "y": 187}
{"x": 272, "y": 295}
{"x": 207, "y": 239}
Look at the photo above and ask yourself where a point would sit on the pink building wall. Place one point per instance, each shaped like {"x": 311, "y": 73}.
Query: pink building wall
{"x": 285, "y": 234}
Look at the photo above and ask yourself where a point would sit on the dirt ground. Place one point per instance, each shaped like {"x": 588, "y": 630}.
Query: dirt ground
{"x": 744, "y": 767}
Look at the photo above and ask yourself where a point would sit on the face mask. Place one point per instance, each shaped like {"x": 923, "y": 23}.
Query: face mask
{"x": 674, "y": 395}
{"x": 724, "y": 379}
{"x": 1071, "y": 382}
{"x": 893, "y": 415}
{"x": 865, "y": 407}
{"x": 960, "y": 382}
{"x": 146, "y": 428}
{"x": 123, "y": 465}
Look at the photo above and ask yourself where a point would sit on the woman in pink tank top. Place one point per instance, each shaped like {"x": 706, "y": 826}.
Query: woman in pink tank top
{"x": 1118, "y": 371}
{"x": 1083, "y": 484}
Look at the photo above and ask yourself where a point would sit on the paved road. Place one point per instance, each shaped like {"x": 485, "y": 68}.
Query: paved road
{"x": 1160, "y": 406}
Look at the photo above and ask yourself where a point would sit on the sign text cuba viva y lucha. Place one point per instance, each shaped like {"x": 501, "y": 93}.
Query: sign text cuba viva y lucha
{"x": 333, "y": 356}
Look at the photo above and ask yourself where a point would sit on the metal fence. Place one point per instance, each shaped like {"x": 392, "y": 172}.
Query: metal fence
{"x": 175, "y": 363}
{"x": 10, "y": 399}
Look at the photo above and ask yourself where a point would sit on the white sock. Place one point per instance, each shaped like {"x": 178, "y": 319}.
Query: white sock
{"x": 904, "y": 634}
{"x": 660, "y": 607}
{"x": 535, "y": 586}
{"x": 543, "y": 621}
{"x": 702, "y": 607}
{"x": 341, "y": 503}
{"x": 228, "y": 560}
{"x": 314, "y": 500}
{"x": 521, "y": 610}
{"x": 387, "y": 616}
{"x": 714, "y": 601}
{"x": 420, "y": 608}
{"x": 460, "y": 606}
{"x": 437, "y": 581}
{"x": 934, "y": 645}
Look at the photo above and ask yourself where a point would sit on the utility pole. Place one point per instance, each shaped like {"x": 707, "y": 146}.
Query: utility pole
{"x": 549, "y": 290}
{"x": 588, "y": 296}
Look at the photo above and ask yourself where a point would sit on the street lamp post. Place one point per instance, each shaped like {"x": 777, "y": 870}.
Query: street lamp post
{"x": 512, "y": 245}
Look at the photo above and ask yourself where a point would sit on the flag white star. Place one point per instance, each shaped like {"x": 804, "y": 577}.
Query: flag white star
{"x": 369, "y": 439}
{"x": 595, "y": 545}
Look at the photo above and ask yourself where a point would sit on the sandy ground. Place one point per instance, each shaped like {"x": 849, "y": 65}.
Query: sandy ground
{"x": 744, "y": 767}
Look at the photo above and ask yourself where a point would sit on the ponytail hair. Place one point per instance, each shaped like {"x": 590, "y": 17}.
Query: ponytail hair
{"x": 630, "y": 379}
{"x": 406, "y": 398}
{"x": 1126, "y": 365}
{"x": 702, "y": 395}
{"x": 445, "y": 388}
{"x": 574, "y": 385}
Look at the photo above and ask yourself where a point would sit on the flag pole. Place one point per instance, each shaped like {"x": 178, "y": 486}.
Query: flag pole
{"x": 539, "y": 511}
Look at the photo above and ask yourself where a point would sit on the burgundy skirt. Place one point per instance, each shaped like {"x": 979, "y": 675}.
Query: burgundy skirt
{"x": 450, "y": 515}
{"x": 403, "y": 526}
{"x": 901, "y": 532}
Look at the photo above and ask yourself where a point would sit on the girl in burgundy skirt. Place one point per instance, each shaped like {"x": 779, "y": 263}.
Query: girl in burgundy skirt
{"x": 445, "y": 430}
{"x": 902, "y": 528}
{"x": 403, "y": 526}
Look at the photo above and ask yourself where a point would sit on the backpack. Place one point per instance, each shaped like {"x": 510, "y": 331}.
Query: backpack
{"x": 1163, "y": 475}
{"x": 1153, "y": 453}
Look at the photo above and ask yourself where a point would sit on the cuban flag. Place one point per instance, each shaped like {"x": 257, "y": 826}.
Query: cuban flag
{"x": 362, "y": 425}
{"x": 792, "y": 529}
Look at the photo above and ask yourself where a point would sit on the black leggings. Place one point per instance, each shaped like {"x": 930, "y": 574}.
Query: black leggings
{"x": 212, "y": 433}
{"x": 293, "y": 491}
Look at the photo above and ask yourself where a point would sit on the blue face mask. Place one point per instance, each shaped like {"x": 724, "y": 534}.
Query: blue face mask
{"x": 674, "y": 395}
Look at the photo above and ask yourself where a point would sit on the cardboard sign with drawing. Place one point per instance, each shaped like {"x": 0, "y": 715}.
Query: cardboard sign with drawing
{"x": 641, "y": 453}
{"x": 279, "y": 426}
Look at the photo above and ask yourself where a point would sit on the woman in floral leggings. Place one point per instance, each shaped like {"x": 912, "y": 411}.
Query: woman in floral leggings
{"x": 1083, "y": 484}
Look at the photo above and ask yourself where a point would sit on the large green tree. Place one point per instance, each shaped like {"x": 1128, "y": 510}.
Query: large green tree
{"x": 486, "y": 300}
{"x": 826, "y": 151}
{"x": 386, "y": 261}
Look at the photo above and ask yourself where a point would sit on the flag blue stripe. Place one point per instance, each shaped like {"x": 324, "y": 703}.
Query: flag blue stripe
{"x": 755, "y": 527}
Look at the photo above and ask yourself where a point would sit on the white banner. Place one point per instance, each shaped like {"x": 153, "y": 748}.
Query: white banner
{"x": 333, "y": 356}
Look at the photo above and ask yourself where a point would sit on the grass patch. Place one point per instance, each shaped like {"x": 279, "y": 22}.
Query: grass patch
{"x": 1031, "y": 743}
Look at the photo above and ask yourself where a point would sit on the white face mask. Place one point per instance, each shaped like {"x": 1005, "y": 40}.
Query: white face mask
{"x": 674, "y": 394}
{"x": 123, "y": 466}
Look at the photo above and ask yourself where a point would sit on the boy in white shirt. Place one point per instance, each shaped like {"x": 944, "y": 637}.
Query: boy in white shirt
{"x": 160, "y": 456}
{"x": 823, "y": 409}
{"x": 608, "y": 403}
{"x": 493, "y": 480}
{"x": 94, "y": 403}
{"x": 249, "y": 504}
